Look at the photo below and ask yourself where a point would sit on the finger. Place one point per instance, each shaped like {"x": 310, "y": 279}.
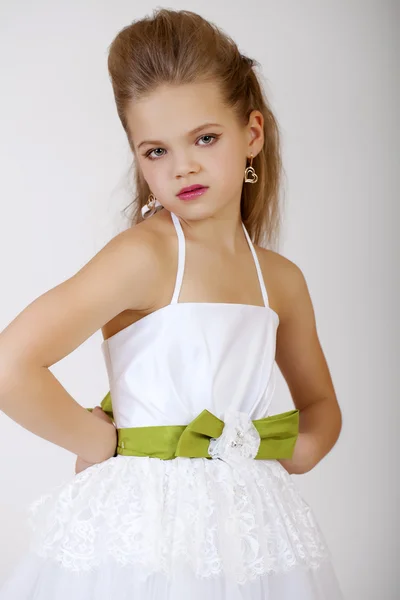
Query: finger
{"x": 99, "y": 412}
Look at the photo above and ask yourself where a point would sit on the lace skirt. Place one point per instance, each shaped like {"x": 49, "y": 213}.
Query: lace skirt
{"x": 144, "y": 528}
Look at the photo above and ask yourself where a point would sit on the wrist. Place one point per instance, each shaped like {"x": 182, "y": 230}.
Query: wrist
{"x": 110, "y": 443}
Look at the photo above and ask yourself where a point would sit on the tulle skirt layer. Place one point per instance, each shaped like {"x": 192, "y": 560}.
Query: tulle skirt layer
{"x": 148, "y": 529}
{"x": 39, "y": 579}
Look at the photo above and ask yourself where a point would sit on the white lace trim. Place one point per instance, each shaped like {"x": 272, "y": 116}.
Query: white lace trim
{"x": 208, "y": 515}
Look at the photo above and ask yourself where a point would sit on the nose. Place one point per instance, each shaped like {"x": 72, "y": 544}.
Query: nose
{"x": 185, "y": 166}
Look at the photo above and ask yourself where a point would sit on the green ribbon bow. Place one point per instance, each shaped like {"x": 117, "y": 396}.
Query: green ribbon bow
{"x": 278, "y": 435}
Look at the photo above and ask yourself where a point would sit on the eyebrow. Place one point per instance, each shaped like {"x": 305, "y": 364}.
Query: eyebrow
{"x": 196, "y": 130}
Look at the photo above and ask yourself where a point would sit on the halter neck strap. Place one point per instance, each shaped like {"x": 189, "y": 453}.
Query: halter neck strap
{"x": 182, "y": 256}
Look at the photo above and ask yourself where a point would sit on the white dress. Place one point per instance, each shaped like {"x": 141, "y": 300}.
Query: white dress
{"x": 141, "y": 528}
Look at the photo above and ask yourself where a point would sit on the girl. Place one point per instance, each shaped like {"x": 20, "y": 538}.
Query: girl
{"x": 188, "y": 492}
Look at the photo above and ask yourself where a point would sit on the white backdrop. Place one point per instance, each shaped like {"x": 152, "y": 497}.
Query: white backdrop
{"x": 331, "y": 70}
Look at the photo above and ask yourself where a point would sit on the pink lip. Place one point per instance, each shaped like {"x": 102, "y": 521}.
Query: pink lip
{"x": 192, "y": 192}
{"x": 190, "y": 188}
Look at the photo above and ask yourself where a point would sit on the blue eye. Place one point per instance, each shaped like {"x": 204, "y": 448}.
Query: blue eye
{"x": 212, "y": 136}
{"x": 207, "y": 136}
{"x": 147, "y": 155}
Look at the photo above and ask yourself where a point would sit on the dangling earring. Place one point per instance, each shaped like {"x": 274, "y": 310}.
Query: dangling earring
{"x": 250, "y": 176}
{"x": 150, "y": 207}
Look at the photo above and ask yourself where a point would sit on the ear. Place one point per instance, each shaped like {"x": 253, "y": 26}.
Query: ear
{"x": 255, "y": 132}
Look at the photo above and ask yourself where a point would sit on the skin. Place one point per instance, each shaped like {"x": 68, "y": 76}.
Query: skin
{"x": 81, "y": 464}
{"x": 139, "y": 266}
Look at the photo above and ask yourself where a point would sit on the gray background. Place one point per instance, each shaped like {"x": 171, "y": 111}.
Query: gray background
{"x": 331, "y": 72}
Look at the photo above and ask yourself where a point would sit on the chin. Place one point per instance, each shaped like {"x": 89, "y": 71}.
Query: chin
{"x": 195, "y": 210}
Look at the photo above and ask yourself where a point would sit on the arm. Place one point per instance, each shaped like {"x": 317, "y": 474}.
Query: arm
{"x": 56, "y": 323}
{"x": 302, "y": 362}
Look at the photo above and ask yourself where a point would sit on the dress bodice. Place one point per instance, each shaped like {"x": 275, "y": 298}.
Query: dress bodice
{"x": 188, "y": 356}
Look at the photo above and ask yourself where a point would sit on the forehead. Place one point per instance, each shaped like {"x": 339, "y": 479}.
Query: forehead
{"x": 171, "y": 111}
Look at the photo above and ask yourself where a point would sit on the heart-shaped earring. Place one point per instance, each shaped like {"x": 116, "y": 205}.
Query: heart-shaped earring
{"x": 250, "y": 176}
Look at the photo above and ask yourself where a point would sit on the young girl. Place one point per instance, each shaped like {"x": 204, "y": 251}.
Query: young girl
{"x": 188, "y": 493}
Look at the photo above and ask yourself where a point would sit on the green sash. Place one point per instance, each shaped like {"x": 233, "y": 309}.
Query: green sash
{"x": 278, "y": 435}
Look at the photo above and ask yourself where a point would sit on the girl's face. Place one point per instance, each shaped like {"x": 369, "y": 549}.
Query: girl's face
{"x": 183, "y": 135}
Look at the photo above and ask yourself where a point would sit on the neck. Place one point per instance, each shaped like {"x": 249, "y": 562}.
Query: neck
{"x": 222, "y": 230}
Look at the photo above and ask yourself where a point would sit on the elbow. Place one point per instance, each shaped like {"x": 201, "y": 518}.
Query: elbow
{"x": 14, "y": 380}
{"x": 338, "y": 423}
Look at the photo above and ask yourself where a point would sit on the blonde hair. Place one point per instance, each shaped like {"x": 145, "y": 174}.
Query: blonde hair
{"x": 180, "y": 47}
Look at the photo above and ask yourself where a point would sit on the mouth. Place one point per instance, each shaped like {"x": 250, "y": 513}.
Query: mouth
{"x": 192, "y": 191}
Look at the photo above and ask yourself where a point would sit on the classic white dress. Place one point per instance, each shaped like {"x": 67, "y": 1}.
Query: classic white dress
{"x": 141, "y": 528}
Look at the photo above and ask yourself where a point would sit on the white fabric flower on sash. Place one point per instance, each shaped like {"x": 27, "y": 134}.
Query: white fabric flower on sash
{"x": 239, "y": 439}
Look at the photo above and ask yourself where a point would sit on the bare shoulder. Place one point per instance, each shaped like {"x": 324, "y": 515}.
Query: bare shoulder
{"x": 285, "y": 281}
{"x": 148, "y": 247}
{"x": 125, "y": 275}
{"x": 141, "y": 248}
{"x": 134, "y": 259}
{"x": 299, "y": 354}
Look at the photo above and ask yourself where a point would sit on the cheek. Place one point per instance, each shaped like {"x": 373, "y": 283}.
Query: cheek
{"x": 154, "y": 174}
{"x": 231, "y": 170}
{"x": 229, "y": 156}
